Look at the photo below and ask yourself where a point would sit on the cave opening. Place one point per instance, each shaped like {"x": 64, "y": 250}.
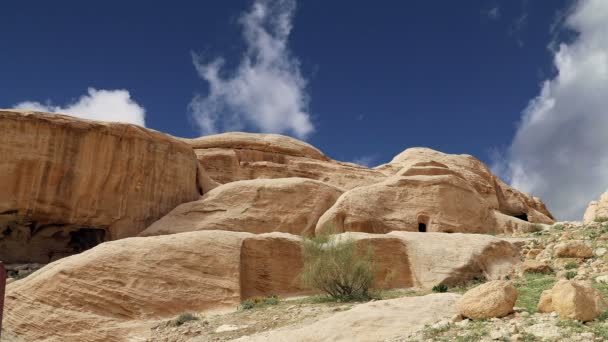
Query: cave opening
{"x": 422, "y": 227}
{"x": 86, "y": 238}
{"x": 522, "y": 216}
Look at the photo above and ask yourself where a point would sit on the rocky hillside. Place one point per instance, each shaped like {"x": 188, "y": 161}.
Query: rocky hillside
{"x": 140, "y": 227}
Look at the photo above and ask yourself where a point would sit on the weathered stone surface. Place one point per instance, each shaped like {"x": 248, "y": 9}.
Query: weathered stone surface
{"x": 290, "y": 205}
{"x": 597, "y": 210}
{"x": 573, "y": 249}
{"x": 436, "y": 192}
{"x": 68, "y": 184}
{"x": 230, "y": 157}
{"x": 102, "y": 293}
{"x": 498, "y": 195}
{"x": 492, "y": 299}
{"x": 376, "y": 321}
{"x": 457, "y": 258}
{"x": 573, "y": 300}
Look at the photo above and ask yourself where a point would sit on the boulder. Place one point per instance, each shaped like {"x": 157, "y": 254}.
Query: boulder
{"x": 573, "y": 249}
{"x": 290, "y": 205}
{"x": 573, "y": 300}
{"x": 69, "y": 184}
{"x": 489, "y": 300}
{"x": 230, "y": 157}
{"x": 119, "y": 289}
{"x": 533, "y": 266}
{"x": 597, "y": 210}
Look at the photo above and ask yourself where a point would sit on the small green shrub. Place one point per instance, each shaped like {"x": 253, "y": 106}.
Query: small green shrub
{"x": 570, "y": 275}
{"x": 440, "y": 288}
{"x": 570, "y": 265}
{"x": 183, "y": 318}
{"x": 601, "y": 219}
{"x": 535, "y": 228}
{"x": 558, "y": 226}
{"x": 255, "y": 302}
{"x": 337, "y": 267}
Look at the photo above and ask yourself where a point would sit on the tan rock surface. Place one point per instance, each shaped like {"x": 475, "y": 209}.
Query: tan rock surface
{"x": 492, "y": 299}
{"x": 534, "y": 266}
{"x": 68, "y": 184}
{"x": 457, "y": 258}
{"x": 436, "y": 192}
{"x": 121, "y": 287}
{"x": 375, "y": 321}
{"x": 573, "y": 300}
{"x": 573, "y": 249}
{"x": 237, "y": 156}
{"x": 597, "y": 210}
{"x": 290, "y": 205}
{"x": 497, "y": 194}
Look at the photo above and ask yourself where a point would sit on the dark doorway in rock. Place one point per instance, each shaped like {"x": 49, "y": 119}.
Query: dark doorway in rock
{"x": 523, "y": 216}
{"x": 422, "y": 227}
{"x": 86, "y": 238}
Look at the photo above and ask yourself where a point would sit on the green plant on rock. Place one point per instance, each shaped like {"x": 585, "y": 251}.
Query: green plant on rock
{"x": 571, "y": 265}
{"x": 183, "y": 318}
{"x": 440, "y": 288}
{"x": 570, "y": 275}
{"x": 601, "y": 219}
{"x": 337, "y": 267}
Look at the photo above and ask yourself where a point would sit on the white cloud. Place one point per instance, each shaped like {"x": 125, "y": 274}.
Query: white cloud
{"x": 267, "y": 91}
{"x": 494, "y": 13}
{"x": 560, "y": 150}
{"x": 103, "y": 105}
{"x": 367, "y": 161}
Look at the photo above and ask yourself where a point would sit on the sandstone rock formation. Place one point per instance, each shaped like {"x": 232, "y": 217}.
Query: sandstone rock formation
{"x": 108, "y": 288}
{"x": 290, "y": 205}
{"x": 489, "y": 300}
{"x": 230, "y": 157}
{"x": 573, "y": 300}
{"x": 376, "y": 321}
{"x": 597, "y": 210}
{"x": 428, "y": 190}
{"x": 68, "y": 184}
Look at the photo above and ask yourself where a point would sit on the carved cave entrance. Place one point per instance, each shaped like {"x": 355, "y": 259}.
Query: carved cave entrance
{"x": 423, "y": 221}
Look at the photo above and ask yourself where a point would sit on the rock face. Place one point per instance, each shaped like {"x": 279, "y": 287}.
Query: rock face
{"x": 68, "y": 184}
{"x": 492, "y": 299}
{"x": 430, "y": 191}
{"x": 290, "y": 205}
{"x": 573, "y": 300}
{"x": 597, "y": 210}
{"x": 231, "y": 157}
{"x": 106, "y": 289}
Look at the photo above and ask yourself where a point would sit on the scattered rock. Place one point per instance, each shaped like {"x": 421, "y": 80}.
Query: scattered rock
{"x": 533, "y": 266}
{"x": 573, "y": 249}
{"x": 573, "y": 300}
{"x": 492, "y": 299}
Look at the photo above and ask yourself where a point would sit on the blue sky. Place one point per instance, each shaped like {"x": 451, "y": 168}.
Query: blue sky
{"x": 360, "y": 82}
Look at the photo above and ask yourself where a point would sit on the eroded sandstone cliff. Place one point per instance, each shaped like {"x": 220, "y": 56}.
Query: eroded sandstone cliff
{"x": 69, "y": 184}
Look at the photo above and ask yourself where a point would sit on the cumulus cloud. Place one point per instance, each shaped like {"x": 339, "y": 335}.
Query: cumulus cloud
{"x": 103, "y": 105}
{"x": 266, "y": 92}
{"x": 560, "y": 150}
